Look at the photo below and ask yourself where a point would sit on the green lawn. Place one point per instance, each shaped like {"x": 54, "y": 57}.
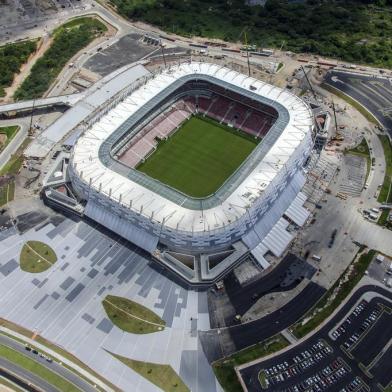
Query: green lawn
{"x": 163, "y": 376}
{"x": 12, "y": 167}
{"x": 199, "y": 157}
{"x": 6, "y": 135}
{"x": 131, "y": 316}
{"x": 36, "y": 257}
{"x": 385, "y": 195}
{"x": 34, "y": 367}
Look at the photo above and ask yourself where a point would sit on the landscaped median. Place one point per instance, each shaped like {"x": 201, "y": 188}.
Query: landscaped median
{"x": 132, "y": 317}
{"x": 224, "y": 368}
{"x": 36, "y": 368}
{"x": 163, "y": 376}
{"x": 36, "y": 257}
{"x": 6, "y": 135}
{"x": 8, "y": 173}
{"x": 385, "y": 195}
{"x": 334, "y": 296}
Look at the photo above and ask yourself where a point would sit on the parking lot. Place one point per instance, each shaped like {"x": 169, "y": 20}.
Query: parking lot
{"x": 351, "y": 353}
{"x": 126, "y": 50}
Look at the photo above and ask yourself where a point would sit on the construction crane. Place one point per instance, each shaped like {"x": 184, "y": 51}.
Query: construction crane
{"x": 247, "y": 52}
{"x": 307, "y": 79}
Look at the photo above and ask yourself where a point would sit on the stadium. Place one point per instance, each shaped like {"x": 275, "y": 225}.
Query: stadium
{"x": 200, "y": 166}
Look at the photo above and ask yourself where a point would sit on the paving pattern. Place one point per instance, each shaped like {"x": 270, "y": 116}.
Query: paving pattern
{"x": 63, "y": 304}
{"x": 354, "y": 173}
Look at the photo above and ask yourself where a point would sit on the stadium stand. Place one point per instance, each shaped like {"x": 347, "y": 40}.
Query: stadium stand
{"x": 219, "y": 104}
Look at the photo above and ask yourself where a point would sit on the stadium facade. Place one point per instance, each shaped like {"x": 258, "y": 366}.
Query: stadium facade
{"x": 198, "y": 238}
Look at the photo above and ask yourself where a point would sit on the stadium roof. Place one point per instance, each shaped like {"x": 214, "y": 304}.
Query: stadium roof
{"x": 84, "y": 104}
{"x": 87, "y": 156}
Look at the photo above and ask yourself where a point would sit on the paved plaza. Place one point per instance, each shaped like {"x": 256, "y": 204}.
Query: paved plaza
{"x": 63, "y": 304}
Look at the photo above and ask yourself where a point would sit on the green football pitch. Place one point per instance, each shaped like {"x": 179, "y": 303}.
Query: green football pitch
{"x": 199, "y": 157}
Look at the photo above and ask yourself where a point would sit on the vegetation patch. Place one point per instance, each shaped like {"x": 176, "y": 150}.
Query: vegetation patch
{"x": 163, "y": 376}
{"x": 36, "y": 257}
{"x": 263, "y": 379}
{"x": 36, "y": 368}
{"x": 385, "y": 195}
{"x": 8, "y": 173}
{"x": 12, "y": 57}
{"x": 383, "y": 220}
{"x": 355, "y": 31}
{"x": 6, "y": 135}
{"x": 334, "y": 296}
{"x": 131, "y": 316}
{"x": 68, "y": 39}
{"x": 199, "y": 157}
{"x": 224, "y": 368}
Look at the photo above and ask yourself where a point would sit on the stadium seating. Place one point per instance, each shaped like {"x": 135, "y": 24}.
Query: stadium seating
{"x": 224, "y": 106}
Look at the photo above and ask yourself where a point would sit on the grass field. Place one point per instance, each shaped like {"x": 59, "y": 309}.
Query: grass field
{"x": 131, "y": 316}
{"x": 199, "y": 157}
{"x": 385, "y": 195}
{"x": 163, "y": 376}
{"x": 36, "y": 257}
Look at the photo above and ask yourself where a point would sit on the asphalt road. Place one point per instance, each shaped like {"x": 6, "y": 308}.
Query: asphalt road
{"x": 52, "y": 366}
{"x": 22, "y": 384}
{"x": 226, "y": 341}
{"x": 27, "y": 376}
{"x": 372, "y": 92}
{"x": 285, "y": 276}
{"x": 250, "y": 374}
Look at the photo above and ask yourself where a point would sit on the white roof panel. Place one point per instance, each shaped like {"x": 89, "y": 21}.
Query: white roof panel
{"x": 88, "y": 166}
